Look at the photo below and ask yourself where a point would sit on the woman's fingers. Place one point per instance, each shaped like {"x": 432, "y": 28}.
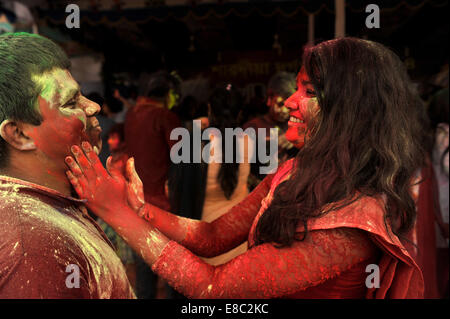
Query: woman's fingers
{"x": 115, "y": 173}
{"x": 76, "y": 184}
{"x": 77, "y": 178}
{"x": 93, "y": 159}
{"x": 131, "y": 173}
{"x": 83, "y": 163}
{"x": 73, "y": 165}
{"x": 135, "y": 188}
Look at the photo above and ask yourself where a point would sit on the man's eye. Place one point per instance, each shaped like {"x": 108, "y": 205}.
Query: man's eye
{"x": 70, "y": 105}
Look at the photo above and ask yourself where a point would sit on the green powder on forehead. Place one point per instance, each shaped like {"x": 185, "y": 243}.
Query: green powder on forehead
{"x": 48, "y": 83}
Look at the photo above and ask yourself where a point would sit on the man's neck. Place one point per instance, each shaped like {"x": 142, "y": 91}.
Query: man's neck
{"x": 39, "y": 174}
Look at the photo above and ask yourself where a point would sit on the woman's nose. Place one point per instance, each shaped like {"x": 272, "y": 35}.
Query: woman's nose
{"x": 290, "y": 103}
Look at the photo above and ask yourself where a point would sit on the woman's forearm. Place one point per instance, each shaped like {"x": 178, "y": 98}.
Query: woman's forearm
{"x": 145, "y": 239}
{"x": 210, "y": 239}
{"x": 173, "y": 226}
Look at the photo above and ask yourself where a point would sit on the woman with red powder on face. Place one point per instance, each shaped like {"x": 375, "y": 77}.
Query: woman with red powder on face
{"x": 340, "y": 208}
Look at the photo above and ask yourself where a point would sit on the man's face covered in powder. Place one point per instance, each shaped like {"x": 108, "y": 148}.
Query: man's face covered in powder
{"x": 68, "y": 117}
{"x": 277, "y": 110}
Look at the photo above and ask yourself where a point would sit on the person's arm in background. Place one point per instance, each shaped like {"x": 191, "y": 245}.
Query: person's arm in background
{"x": 119, "y": 97}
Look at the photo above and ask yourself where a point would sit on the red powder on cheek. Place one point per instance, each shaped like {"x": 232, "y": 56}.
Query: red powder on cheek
{"x": 57, "y": 132}
{"x": 296, "y": 135}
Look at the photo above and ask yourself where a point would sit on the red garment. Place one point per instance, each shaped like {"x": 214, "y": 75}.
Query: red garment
{"x": 147, "y": 137}
{"x": 426, "y": 252}
{"x": 42, "y": 232}
{"x": 330, "y": 263}
{"x": 264, "y": 121}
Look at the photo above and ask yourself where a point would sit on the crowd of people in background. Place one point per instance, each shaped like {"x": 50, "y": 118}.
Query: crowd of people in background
{"x": 141, "y": 125}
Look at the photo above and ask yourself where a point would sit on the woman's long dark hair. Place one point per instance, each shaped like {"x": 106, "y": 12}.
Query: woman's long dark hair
{"x": 369, "y": 137}
{"x": 225, "y": 106}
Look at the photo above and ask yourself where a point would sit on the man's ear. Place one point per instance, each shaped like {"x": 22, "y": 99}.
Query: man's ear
{"x": 12, "y": 132}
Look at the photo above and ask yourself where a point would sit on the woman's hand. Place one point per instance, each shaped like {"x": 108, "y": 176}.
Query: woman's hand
{"x": 107, "y": 192}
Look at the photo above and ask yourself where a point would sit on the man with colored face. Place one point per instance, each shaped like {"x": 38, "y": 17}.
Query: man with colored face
{"x": 51, "y": 247}
{"x": 280, "y": 87}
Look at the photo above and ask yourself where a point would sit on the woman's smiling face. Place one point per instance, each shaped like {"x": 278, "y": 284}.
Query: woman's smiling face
{"x": 303, "y": 107}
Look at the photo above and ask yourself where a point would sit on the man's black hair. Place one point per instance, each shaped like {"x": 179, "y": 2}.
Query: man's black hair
{"x": 160, "y": 83}
{"x": 282, "y": 84}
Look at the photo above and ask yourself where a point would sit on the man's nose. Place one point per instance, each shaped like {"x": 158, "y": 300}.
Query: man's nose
{"x": 91, "y": 108}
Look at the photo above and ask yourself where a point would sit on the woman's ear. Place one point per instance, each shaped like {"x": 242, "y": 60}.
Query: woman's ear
{"x": 13, "y": 133}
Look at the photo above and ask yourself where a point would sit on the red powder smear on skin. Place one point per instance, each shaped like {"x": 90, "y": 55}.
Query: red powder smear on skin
{"x": 57, "y": 133}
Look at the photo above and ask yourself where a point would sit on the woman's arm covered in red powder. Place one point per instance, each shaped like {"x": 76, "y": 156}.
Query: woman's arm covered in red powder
{"x": 266, "y": 271}
{"x": 211, "y": 239}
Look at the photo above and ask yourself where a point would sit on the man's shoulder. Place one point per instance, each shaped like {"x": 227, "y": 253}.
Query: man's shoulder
{"x": 34, "y": 252}
{"x": 32, "y": 226}
{"x": 41, "y": 237}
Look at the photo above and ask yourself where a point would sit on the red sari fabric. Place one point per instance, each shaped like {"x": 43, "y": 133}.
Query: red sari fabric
{"x": 329, "y": 263}
{"x": 400, "y": 275}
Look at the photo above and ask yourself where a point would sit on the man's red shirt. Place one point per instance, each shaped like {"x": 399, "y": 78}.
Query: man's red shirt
{"x": 147, "y": 136}
{"x": 46, "y": 240}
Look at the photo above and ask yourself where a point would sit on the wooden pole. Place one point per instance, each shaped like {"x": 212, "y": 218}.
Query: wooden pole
{"x": 339, "y": 26}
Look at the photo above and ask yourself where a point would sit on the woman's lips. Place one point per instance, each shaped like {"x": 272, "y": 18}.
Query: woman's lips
{"x": 295, "y": 121}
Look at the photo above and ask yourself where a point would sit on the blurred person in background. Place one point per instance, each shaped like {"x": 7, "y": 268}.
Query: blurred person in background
{"x": 116, "y": 143}
{"x": 438, "y": 111}
{"x": 206, "y": 191}
{"x": 148, "y": 125}
{"x": 281, "y": 85}
{"x": 127, "y": 103}
{"x": 106, "y": 122}
{"x": 147, "y": 134}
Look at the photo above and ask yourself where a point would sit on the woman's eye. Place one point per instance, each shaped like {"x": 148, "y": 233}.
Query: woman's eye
{"x": 310, "y": 92}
